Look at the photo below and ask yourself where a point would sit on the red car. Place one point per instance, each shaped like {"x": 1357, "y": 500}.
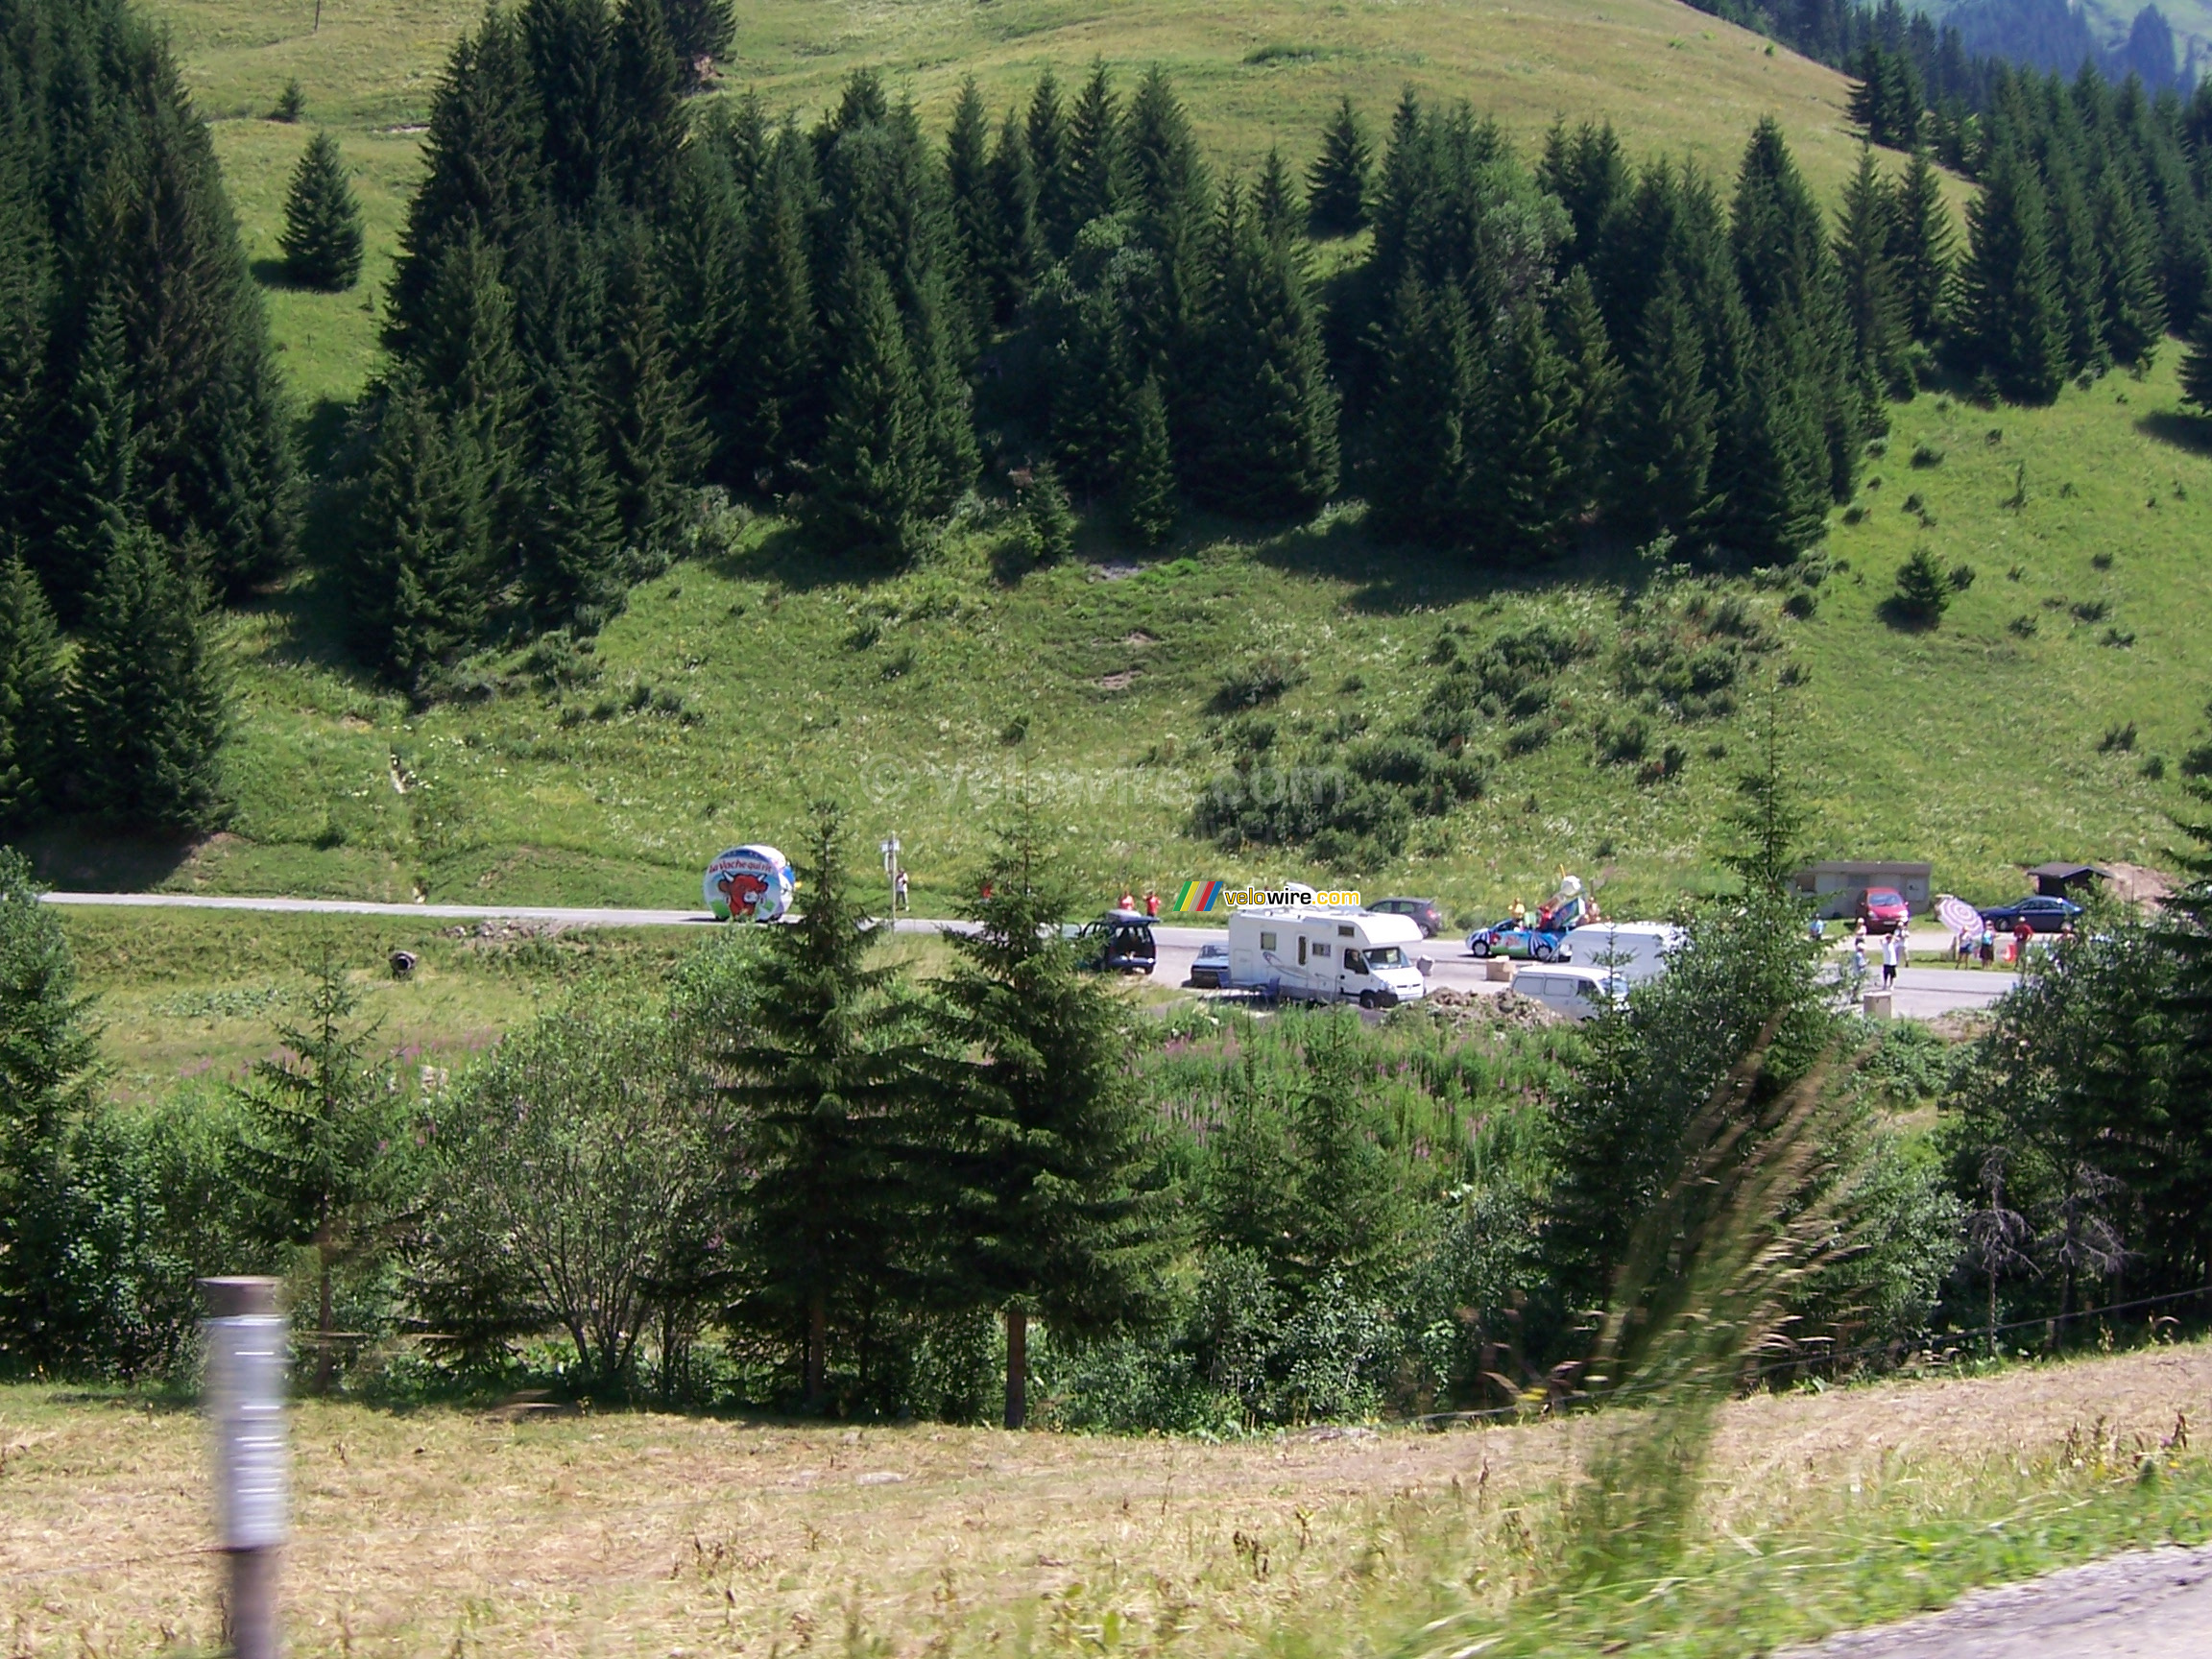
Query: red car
{"x": 1884, "y": 910}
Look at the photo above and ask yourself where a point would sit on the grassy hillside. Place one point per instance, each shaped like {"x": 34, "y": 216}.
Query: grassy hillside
{"x": 740, "y": 684}
{"x": 1255, "y": 75}
{"x": 743, "y": 683}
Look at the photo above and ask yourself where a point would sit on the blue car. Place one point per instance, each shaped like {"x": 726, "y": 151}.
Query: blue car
{"x": 2042, "y": 913}
{"x": 1504, "y": 939}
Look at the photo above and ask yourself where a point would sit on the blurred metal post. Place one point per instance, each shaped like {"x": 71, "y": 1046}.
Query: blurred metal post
{"x": 246, "y": 1344}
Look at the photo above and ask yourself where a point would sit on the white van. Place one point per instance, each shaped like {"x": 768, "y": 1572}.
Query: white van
{"x": 1578, "y": 993}
{"x": 1636, "y": 950}
{"x": 1326, "y": 956}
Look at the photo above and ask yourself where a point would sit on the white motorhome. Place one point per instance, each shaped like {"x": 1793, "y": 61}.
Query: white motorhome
{"x": 1636, "y": 950}
{"x": 1314, "y": 956}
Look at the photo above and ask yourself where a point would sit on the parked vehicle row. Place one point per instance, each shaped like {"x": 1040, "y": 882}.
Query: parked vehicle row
{"x": 1371, "y": 956}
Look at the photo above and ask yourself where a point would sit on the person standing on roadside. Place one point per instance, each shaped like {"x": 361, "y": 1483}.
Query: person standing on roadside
{"x": 1151, "y": 903}
{"x": 2022, "y": 932}
{"x": 1892, "y": 947}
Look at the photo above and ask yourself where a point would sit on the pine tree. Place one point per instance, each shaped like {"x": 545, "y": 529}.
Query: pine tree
{"x": 147, "y": 695}
{"x": 647, "y": 123}
{"x": 465, "y": 360}
{"x": 2011, "y": 317}
{"x": 827, "y": 1074}
{"x": 1147, "y": 467}
{"x": 1053, "y": 1221}
{"x": 47, "y": 1072}
{"x": 2196, "y": 365}
{"x": 1093, "y": 386}
{"x": 317, "y": 1143}
{"x": 1420, "y": 456}
{"x": 2134, "y": 310}
{"x": 974, "y": 210}
{"x": 572, "y": 556}
{"x": 947, "y": 423}
{"x": 700, "y": 32}
{"x": 1587, "y": 171}
{"x": 31, "y": 704}
{"x": 1663, "y": 435}
{"x": 1274, "y": 200}
{"x": 1920, "y": 247}
{"x": 1593, "y": 382}
{"x": 322, "y": 239}
{"x": 1769, "y": 475}
{"x": 1013, "y": 249}
{"x": 1336, "y": 184}
{"x": 213, "y": 453}
{"x": 1792, "y": 296}
{"x": 416, "y": 582}
{"x": 482, "y": 176}
{"x": 1049, "y": 519}
{"x": 1172, "y": 197}
{"x": 1527, "y": 480}
{"x": 95, "y": 496}
{"x": 652, "y": 425}
{"x": 1271, "y": 414}
{"x": 2076, "y": 262}
{"x": 572, "y": 68}
{"x": 876, "y": 475}
{"x": 1044, "y": 133}
{"x": 26, "y": 264}
{"x": 779, "y": 344}
{"x": 1872, "y": 306}
{"x": 1923, "y": 590}
{"x": 1098, "y": 152}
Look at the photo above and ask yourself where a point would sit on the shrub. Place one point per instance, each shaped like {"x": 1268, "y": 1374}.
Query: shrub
{"x": 1923, "y": 592}
{"x": 570, "y": 1190}
{"x": 1801, "y": 605}
{"x": 1926, "y": 455}
{"x": 1622, "y": 740}
{"x": 1259, "y": 679}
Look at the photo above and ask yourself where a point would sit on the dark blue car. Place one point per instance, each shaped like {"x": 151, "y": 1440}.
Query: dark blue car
{"x": 2041, "y": 913}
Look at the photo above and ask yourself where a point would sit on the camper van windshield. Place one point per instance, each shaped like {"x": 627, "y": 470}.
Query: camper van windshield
{"x": 1384, "y": 957}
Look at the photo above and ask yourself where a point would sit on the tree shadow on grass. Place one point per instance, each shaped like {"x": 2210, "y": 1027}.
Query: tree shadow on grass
{"x": 85, "y": 855}
{"x": 2179, "y": 428}
{"x": 790, "y": 558}
{"x": 1389, "y": 579}
{"x": 1906, "y": 618}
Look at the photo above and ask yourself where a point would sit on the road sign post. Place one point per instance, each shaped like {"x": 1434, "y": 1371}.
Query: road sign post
{"x": 247, "y": 1342}
{"x": 890, "y": 848}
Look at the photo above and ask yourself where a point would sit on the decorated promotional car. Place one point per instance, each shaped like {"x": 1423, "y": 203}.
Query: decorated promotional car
{"x": 749, "y": 884}
{"x": 1504, "y": 939}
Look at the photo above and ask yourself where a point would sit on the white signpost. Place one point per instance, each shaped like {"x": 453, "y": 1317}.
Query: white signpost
{"x": 890, "y": 849}
{"x": 248, "y": 1342}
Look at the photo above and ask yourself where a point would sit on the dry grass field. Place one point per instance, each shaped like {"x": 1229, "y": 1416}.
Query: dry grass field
{"x": 463, "y": 1533}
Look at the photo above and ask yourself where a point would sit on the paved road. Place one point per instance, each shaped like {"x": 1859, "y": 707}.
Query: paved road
{"x": 2155, "y": 1604}
{"x": 1922, "y": 993}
